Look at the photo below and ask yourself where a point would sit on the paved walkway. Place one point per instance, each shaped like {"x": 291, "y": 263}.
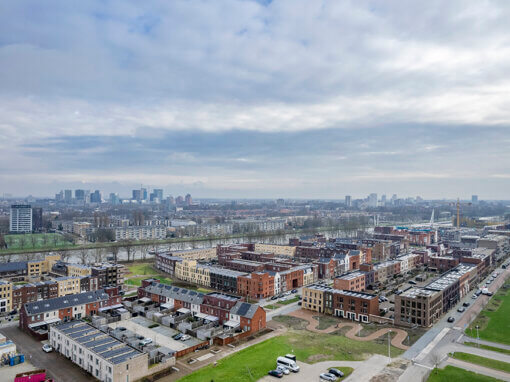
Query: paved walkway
{"x": 477, "y": 369}
{"x": 307, "y": 315}
{"x": 483, "y": 342}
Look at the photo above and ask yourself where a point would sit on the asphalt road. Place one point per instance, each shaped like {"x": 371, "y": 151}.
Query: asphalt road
{"x": 58, "y": 367}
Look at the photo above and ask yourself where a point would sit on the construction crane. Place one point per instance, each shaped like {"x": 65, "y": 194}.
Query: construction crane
{"x": 458, "y": 210}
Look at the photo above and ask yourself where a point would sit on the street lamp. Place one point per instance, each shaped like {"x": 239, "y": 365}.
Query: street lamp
{"x": 389, "y": 348}
{"x": 477, "y": 336}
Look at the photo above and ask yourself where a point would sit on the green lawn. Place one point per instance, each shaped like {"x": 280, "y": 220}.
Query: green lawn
{"x": 35, "y": 240}
{"x": 326, "y": 321}
{"x": 143, "y": 269}
{"x": 290, "y": 301}
{"x": 493, "y": 320}
{"x": 253, "y": 363}
{"x": 452, "y": 373}
{"x": 487, "y": 347}
{"x": 482, "y": 361}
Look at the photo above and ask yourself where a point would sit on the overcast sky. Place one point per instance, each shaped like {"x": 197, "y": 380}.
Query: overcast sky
{"x": 285, "y": 98}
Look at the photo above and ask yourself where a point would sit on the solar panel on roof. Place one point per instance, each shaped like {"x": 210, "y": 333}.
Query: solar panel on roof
{"x": 115, "y": 352}
{"x": 124, "y": 357}
{"x": 243, "y": 308}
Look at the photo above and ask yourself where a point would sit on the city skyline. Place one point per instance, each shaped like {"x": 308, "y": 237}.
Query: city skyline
{"x": 257, "y": 103}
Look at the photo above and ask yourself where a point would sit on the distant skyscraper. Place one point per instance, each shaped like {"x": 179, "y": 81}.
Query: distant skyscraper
{"x": 179, "y": 200}
{"x": 79, "y": 194}
{"x": 372, "y": 200}
{"x": 21, "y": 218}
{"x": 188, "y": 200}
{"x": 96, "y": 197}
{"x": 156, "y": 195}
{"x": 137, "y": 195}
{"x": 59, "y": 197}
{"x": 114, "y": 198}
{"x": 474, "y": 199}
{"x": 143, "y": 193}
{"x": 348, "y": 201}
{"x": 68, "y": 195}
{"x": 383, "y": 200}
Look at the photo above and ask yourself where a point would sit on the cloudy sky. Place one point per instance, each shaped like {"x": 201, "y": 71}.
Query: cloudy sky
{"x": 284, "y": 98}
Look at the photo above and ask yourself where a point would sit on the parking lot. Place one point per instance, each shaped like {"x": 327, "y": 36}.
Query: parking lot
{"x": 31, "y": 348}
{"x": 161, "y": 335}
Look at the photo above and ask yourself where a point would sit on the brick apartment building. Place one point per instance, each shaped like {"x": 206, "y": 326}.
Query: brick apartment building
{"x": 256, "y": 285}
{"x": 354, "y": 281}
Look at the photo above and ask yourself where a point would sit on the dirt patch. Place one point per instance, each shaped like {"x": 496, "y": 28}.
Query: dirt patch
{"x": 317, "y": 357}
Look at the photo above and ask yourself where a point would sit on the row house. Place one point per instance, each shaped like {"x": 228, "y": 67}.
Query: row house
{"x": 230, "y": 311}
{"x": 192, "y": 272}
{"x": 6, "y": 302}
{"x": 35, "y": 317}
{"x": 218, "y": 305}
{"x": 166, "y": 262}
{"x": 280, "y": 250}
{"x": 327, "y": 267}
{"x": 443, "y": 263}
{"x": 224, "y": 279}
{"x": 43, "y": 290}
{"x": 233, "y": 248}
{"x": 341, "y": 303}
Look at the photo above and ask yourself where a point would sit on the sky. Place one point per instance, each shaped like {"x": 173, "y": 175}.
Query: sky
{"x": 247, "y": 99}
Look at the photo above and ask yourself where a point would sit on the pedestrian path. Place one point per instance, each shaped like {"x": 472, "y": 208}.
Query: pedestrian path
{"x": 396, "y": 341}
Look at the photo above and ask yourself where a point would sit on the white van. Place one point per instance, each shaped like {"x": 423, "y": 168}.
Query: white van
{"x": 288, "y": 363}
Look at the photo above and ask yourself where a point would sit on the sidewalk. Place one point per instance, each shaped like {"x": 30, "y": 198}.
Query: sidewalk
{"x": 477, "y": 369}
{"x": 483, "y": 342}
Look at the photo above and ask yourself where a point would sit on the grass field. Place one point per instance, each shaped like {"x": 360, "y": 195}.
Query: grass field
{"x": 141, "y": 271}
{"x": 493, "y": 320}
{"x": 35, "y": 241}
{"x": 487, "y": 347}
{"x": 254, "y": 362}
{"x": 452, "y": 373}
{"x": 482, "y": 361}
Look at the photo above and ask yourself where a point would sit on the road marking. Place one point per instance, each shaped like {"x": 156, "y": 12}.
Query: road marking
{"x": 432, "y": 344}
{"x": 425, "y": 366}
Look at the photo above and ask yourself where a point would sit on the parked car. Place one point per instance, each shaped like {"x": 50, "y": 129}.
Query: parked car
{"x": 47, "y": 348}
{"x": 145, "y": 341}
{"x": 336, "y": 372}
{"x": 300, "y": 303}
{"x": 294, "y": 290}
{"x": 474, "y": 296}
{"x": 177, "y": 337}
{"x": 461, "y": 309}
{"x": 327, "y": 377}
{"x": 288, "y": 363}
{"x": 275, "y": 373}
{"x": 185, "y": 337}
{"x": 287, "y": 293}
{"x": 412, "y": 282}
{"x": 274, "y": 297}
{"x": 466, "y": 304}
{"x": 451, "y": 319}
{"x": 283, "y": 369}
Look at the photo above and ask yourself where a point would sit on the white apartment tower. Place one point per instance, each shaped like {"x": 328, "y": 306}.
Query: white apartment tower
{"x": 21, "y": 218}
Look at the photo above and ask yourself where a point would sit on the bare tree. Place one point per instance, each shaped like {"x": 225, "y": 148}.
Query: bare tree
{"x": 84, "y": 255}
{"x": 115, "y": 251}
{"x": 64, "y": 255}
{"x": 33, "y": 240}
{"x": 98, "y": 255}
{"x": 144, "y": 248}
{"x": 128, "y": 246}
{"x": 22, "y": 241}
{"x": 9, "y": 240}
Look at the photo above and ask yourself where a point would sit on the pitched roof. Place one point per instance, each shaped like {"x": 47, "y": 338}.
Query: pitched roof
{"x": 14, "y": 266}
{"x": 244, "y": 309}
{"x": 65, "y": 302}
{"x": 176, "y": 293}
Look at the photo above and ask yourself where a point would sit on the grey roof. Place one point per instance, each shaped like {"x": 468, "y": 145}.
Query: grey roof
{"x": 105, "y": 346}
{"x": 244, "y": 309}
{"x": 65, "y": 301}
{"x": 176, "y": 293}
{"x": 14, "y": 266}
{"x": 225, "y": 272}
